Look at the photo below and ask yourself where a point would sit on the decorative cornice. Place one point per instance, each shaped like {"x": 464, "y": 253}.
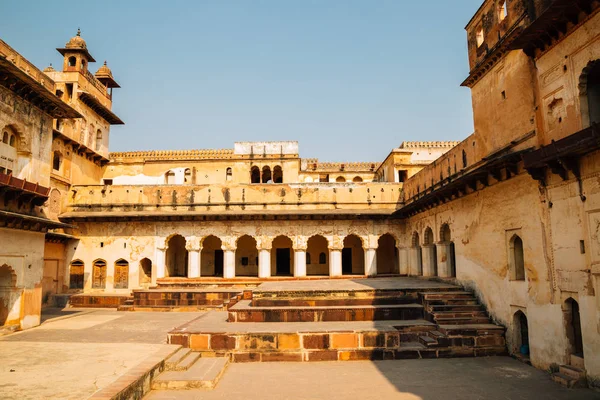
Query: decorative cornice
{"x": 429, "y": 144}
{"x": 168, "y": 155}
{"x": 312, "y": 164}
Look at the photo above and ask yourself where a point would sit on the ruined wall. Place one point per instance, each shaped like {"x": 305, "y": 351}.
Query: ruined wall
{"x": 21, "y": 256}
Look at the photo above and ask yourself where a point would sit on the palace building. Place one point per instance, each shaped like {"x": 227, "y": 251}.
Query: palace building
{"x": 511, "y": 213}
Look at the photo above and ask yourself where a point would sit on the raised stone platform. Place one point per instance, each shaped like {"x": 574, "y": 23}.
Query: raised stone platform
{"x": 182, "y": 299}
{"x": 98, "y": 300}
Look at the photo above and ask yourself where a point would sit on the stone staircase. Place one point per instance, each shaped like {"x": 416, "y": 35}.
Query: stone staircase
{"x": 189, "y": 370}
{"x": 572, "y": 375}
{"x": 184, "y": 299}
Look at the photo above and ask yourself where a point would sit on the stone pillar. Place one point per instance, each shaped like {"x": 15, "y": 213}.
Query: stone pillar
{"x": 429, "y": 263}
{"x": 414, "y": 261}
{"x": 444, "y": 259}
{"x": 300, "y": 246}
{"x": 403, "y": 261}
{"x": 193, "y": 259}
{"x": 335, "y": 261}
{"x": 161, "y": 255}
{"x": 370, "y": 262}
{"x": 228, "y": 263}
{"x": 264, "y": 263}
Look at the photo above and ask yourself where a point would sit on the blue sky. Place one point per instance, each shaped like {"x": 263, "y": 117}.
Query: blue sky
{"x": 348, "y": 79}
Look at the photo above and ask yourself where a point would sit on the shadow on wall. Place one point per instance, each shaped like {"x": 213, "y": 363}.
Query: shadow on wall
{"x": 9, "y": 294}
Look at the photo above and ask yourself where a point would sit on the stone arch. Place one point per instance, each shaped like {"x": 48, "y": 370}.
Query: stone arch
{"x": 170, "y": 177}
{"x": 340, "y": 179}
{"x": 317, "y": 246}
{"x": 187, "y": 176}
{"x": 428, "y": 237}
{"x": 516, "y": 258}
{"x": 8, "y": 292}
{"x": 266, "y": 176}
{"x": 357, "y": 179}
{"x": 521, "y": 333}
{"x": 589, "y": 93}
{"x": 228, "y": 174}
{"x": 121, "y": 274}
{"x": 387, "y": 255}
{"x": 255, "y": 174}
{"x": 76, "y": 274}
{"x": 445, "y": 233}
{"x": 572, "y": 320}
{"x": 282, "y": 256}
{"x": 145, "y": 270}
{"x": 21, "y": 139}
{"x": 54, "y": 203}
{"x": 211, "y": 256}
{"x": 176, "y": 256}
{"x": 99, "y": 274}
{"x": 414, "y": 241}
{"x": 353, "y": 255}
{"x": 277, "y": 174}
{"x": 246, "y": 256}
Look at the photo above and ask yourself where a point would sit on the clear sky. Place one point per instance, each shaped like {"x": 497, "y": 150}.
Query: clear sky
{"x": 348, "y": 79}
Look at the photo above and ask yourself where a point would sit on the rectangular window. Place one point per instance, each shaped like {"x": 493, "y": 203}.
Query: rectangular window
{"x": 402, "y": 175}
{"x": 324, "y": 178}
{"x": 480, "y": 37}
{"x": 245, "y": 261}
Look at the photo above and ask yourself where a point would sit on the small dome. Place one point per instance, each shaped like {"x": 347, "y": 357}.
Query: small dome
{"x": 76, "y": 42}
{"x": 104, "y": 71}
{"x": 49, "y": 68}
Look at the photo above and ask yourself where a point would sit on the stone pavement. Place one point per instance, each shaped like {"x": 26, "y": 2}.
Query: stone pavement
{"x": 76, "y": 352}
{"x": 494, "y": 378}
{"x": 351, "y": 284}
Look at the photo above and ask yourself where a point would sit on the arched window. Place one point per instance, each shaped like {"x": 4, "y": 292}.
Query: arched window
{"x": 56, "y": 161}
{"x": 340, "y": 179}
{"x": 322, "y": 258}
{"x": 277, "y": 174}
{"x": 517, "y": 259}
{"x": 255, "y": 175}
{"x": 266, "y": 174}
{"x": 357, "y": 179}
{"x": 573, "y": 325}
{"x": 121, "y": 278}
{"x": 503, "y": 10}
{"x": 98, "y": 139}
{"x": 5, "y": 137}
{"x": 76, "y": 275}
{"x": 521, "y": 333}
{"x": 72, "y": 61}
{"x": 99, "y": 274}
{"x": 187, "y": 176}
{"x": 464, "y": 159}
{"x": 428, "y": 237}
{"x": 82, "y": 65}
{"x": 593, "y": 92}
{"x": 170, "y": 178}
{"x": 13, "y": 141}
{"x": 145, "y": 271}
{"x": 229, "y": 174}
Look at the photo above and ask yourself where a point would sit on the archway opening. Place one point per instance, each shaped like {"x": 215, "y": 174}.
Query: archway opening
{"x": 145, "y": 271}
{"x": 340, "y": 179}
{"x": 76, "y": 271}
{"x": 353, "y": 256}
{"x": 428, "y": 243}
{"x": 573, "y": 325}
{"x": 121, "y": 277}
{"x": 99, "y": 274}
{"x": 357, "y": 179}
{"x": 211, "y": 257}
{"x": 521, "y": 336}
{"x": 246, "y": 257}
{"x": 416, "y": 255}
{"x": 317, "y": 256}
{"x": 266, "y": 174}
{"x": 177, "y": 257}
{"x": 277, "y": 174}
{"x": 282, "y": 260}
{"x": 446, "y": 237}
{"x": 593, "y": 93}
{"x": 387, "y": 255}
{"x": 517, "y": 259}
{"x": 255, "y": 174}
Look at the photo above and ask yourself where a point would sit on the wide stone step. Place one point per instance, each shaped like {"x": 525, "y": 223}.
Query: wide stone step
{"x": 462, "y": 320}
{"x": 244, "y": 312}
{"x": 331, "y": 301}
{"x": 447, "y": 295}
{"x": 203, "y": 374}
{"x": 456, "y": 307}
{"x": 459, "y": 314}
{"x": 571, "y": 371}
{"x": 427, "y": 341}
{"x": 171, "y": 362}
{"x": 565, "y": 380}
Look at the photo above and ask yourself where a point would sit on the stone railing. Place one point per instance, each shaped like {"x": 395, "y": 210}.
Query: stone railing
{"x": 247, "y": 197}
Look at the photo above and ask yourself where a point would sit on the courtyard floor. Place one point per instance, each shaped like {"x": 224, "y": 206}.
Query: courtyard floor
{"x": 76, "y": 352}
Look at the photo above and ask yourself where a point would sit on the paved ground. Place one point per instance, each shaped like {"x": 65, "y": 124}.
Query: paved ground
{"x": 351, "y": 284}
{"x": 76, "y": 352}
{"x": 494, "y": 378}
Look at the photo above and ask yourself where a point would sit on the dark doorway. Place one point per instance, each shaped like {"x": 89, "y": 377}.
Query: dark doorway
{"x": 218, "y": 262}
{"x": 573, "y": 320}
{"x": 283, "y": 261}
{"x": 346, "y": 260}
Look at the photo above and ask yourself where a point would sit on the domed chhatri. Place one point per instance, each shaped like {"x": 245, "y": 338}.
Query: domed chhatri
{"x": 76, "y": 45}
{"x": 49, "y": 68}
{"x": 104, "y": 75}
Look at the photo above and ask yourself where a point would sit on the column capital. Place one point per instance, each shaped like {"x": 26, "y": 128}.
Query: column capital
{"x": 337, "y": 243}
{"x": 228, "y": 244}
{"x": 264, "y": 243}
{"x": 336, "y": 247}
{"x": 191, "y": 246}
{"x": 300, "y": 243}
{"x": 162, "y": 247}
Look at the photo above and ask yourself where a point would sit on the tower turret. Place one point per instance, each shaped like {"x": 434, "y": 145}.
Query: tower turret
{"x": 76, "y": 54}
